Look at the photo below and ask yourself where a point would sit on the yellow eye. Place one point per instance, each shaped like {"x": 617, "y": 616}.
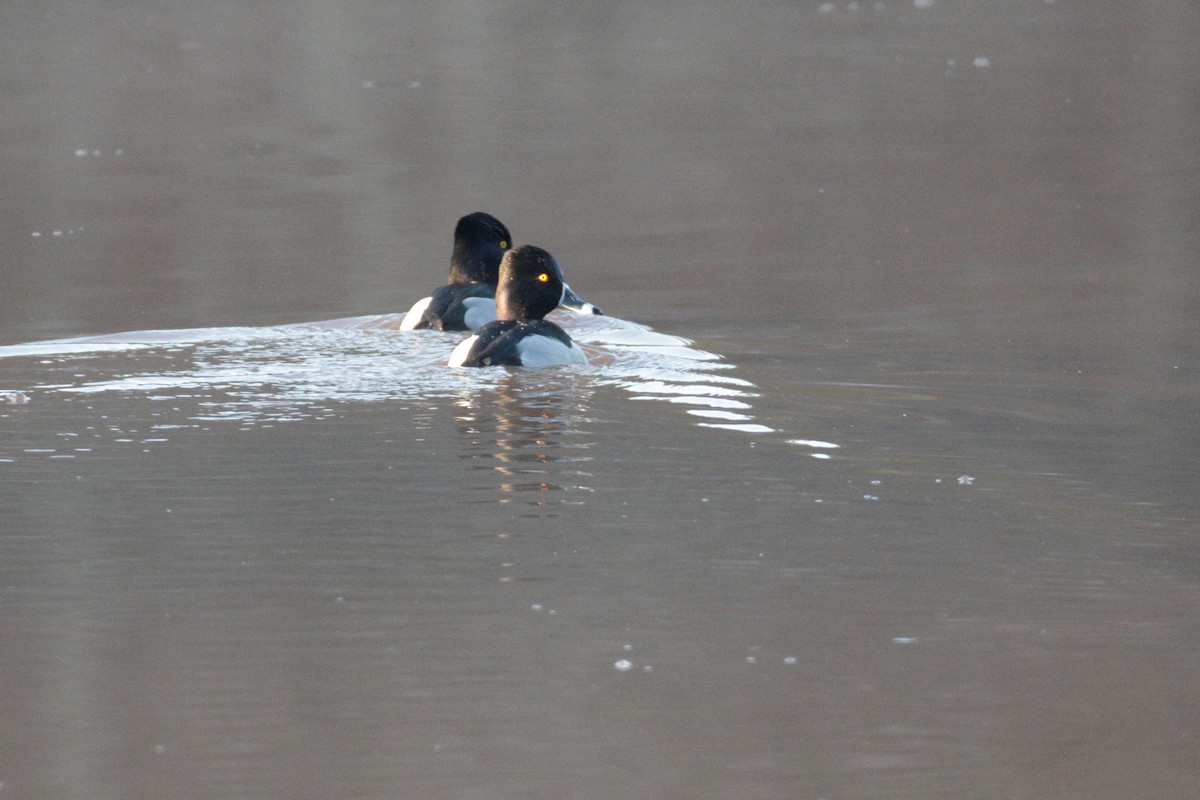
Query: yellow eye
{"x": 503, "y": 245}
{"x": 544, "y": 277}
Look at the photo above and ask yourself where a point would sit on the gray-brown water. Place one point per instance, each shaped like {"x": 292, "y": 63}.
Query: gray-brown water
{"x": 882, "y": 483}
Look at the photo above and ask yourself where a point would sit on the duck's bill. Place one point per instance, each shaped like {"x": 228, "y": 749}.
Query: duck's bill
{"x": 576, "y": 303}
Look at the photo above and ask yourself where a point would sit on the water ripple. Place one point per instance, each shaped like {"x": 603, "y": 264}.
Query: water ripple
{"x": 288, "y": 372}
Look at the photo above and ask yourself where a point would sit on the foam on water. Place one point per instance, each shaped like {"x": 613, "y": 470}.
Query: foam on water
{"x": 287, "y": 372}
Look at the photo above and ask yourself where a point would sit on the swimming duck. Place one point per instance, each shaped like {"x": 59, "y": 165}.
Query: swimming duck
{"x": 467, "y": 301}
{"x": 531, "y": 285}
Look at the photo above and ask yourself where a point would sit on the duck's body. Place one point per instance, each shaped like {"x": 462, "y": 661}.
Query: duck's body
{"x": 530, "y": 287}
{"x": 453, "y": 307}
{"x": 467, "y": 302}
{"x": 508, "y": 343}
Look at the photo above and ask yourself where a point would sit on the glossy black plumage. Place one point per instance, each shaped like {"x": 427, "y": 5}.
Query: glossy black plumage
{"x": 480, "y": 241}
{"x": 531, "y": 285}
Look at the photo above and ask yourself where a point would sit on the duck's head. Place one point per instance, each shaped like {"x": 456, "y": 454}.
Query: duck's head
{"x": 480, "y": 241}
{"x": 531, "y": 284}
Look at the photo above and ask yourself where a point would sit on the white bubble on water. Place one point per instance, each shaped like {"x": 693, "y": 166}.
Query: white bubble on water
{"x": 982, "y": 62}
{"x": 623, "y": 665}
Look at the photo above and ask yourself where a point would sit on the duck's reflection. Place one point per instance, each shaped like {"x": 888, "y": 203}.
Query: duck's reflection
{"x": 530, "y": 433}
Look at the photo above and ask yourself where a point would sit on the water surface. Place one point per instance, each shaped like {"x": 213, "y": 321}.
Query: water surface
{"x": 881, "y": 483}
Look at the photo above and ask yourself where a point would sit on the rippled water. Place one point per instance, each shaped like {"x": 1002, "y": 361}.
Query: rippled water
{"x": 301, "y": 371}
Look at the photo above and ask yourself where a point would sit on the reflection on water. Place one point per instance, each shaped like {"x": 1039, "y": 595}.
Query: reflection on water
{"x": 531, "y": 439}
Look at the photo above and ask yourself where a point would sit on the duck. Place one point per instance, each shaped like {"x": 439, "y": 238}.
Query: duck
{"x": 467, "y": 301}
{"x": 530, "y": 286}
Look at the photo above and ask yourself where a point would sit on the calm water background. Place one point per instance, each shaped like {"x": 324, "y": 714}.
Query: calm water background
{"x": 959, "y": 242}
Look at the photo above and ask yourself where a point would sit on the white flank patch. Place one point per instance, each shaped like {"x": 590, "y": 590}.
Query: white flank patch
{"x": 459, "y": 356}
{"x": 409, "y": 323}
